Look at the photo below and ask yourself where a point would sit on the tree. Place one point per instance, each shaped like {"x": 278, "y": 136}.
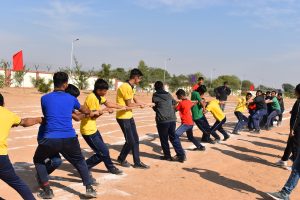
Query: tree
{"x": 193, "y": 78}
{"x": 7, "y": 77}
{"x": 177, "y": 82}
{"x": 120, "y": 74}
{"x": 105, "y": 72}
{"x": 2, "y": 81}
{"x": 37, "y": 81}
{"x": 145, "y": 70}
{"x": 264, "y": 88}
{"x": 246, "y": 85}
{"x": 289, "y": 88}
{"x": 19, "y": 76}
{"x": 233, "y": 81}
{"x": 80, "y": 77}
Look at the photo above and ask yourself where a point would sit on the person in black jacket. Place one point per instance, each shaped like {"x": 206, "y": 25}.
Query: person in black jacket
{"x": 222, "y": 94}
{"x": 260, "y": 110}
{"x": 281, "y": 103}
{"x": 165, "y": 118}
{"x": 295, "y": 135}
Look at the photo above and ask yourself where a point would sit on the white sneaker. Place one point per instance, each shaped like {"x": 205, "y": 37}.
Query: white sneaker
{"x": 281, "y": 163}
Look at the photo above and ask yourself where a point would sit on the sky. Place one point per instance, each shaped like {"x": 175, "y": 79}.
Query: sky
{"x": 257, "y": 40}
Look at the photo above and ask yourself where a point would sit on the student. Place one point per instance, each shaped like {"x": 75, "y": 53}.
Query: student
{"x": 239, "y": 110}
{"x": 200, "y": 84}
{"x": 53, "y": 162}
{"x": 198, "y": 116}
{"x": 295, "y": 133}
{"x": 215, "y": 109}
{"x": 165, "y": 118}
{"x": 260, "y": 110}
{"x": 222, "y": 94}
{"x": 7, "y": 172}
{"x": 184, "y": 107}
{"x": 88, "y": 127}
{"x": 281, "y": 103}
{"x": 251, "y": 109}
{"x": 276, "y": 109}
{"x": 60, "y": 136}
{"x": 126, "y": 97}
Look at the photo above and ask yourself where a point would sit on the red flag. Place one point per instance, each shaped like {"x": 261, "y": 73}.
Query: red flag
{"x": 252, "y": 88}
{"x": 18, "y": 61}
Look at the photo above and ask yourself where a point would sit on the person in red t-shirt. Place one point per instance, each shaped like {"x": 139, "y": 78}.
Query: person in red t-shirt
{"x": 184, "y": 107}
{"x": 200, "y": 84}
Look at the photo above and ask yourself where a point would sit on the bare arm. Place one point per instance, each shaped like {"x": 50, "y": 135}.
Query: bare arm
{"x": 84, "y": 110}
{"x": 26, "y": 122}
{"x": 113, "y": 105}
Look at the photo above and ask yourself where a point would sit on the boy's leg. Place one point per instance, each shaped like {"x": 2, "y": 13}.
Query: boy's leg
{"x": 72, "y": 152}
{"x": 53, "y": 163}
{"x": 8, "y": 175}
{"x": 136, "y": 142}
{"x": 163, "y": 132}
{"x": 177, "y": 144}
{"x": 213, "y": 130}
{"x": 96, "y": 143}
{"x": 190, "y": 136}
{"x": 126, "y": 129}
{"x": 239, "y": 123}
{"x": 270, "y": 117}
{"x": 203, "y": 125}
{"x": 221, "y": 129}
{"x": 288, "y": 150}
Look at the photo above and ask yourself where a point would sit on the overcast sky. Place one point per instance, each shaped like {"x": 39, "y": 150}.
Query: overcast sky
{"x": 254, "y": 39}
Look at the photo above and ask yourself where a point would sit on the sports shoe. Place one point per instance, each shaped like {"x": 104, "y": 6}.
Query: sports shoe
{"x": 279, "y": 196}
{"x": 218, "y": 141}
{"x": 226, "y": 137}
{"x": 46, "y": 193}
{"x": 93, "y": 180}
{"x": 167, "y": 158}
{"x": 281, "y": 163}
{"x": 90, "y": 192}
{"x": 256, "y": 132}
{"x": 235, "y": 133}
{"x": 201, "y": 148}
{"x": 179, "y": 159}
{"x": 115, "y": 171}
{"x": 123, "y": 163}
{"x": 141, "y": 166}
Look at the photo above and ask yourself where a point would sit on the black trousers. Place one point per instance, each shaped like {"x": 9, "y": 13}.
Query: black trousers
{"x": 166, "y": 132}
{"x": 69, "y": 148}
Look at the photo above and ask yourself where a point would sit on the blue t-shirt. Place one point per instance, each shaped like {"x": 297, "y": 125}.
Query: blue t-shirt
{"x": 57, "y": 108}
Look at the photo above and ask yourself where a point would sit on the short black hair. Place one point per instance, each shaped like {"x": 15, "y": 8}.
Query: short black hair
{"x": 201, "y": 90}
{"x": 225, "y": 82}
{"x": 135, "y": 72}
{"x": 280, "y": 94}
{"x": 297, "y": 89}
{"x": 268, "y": 92}
{"x": 249, "y": 94}
{"x": 60, "y": 78}
{"x": 101, "y": 84}
{"x": 158, "y": 85}
{"x": 73, "y": 90}
{"x": 274, "y": 91}
{"x": 1, "y": 100}
{"x": 201, "y": 79}
{"x": 180, "y": 93}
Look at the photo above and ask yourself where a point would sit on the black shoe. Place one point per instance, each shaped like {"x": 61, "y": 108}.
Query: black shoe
{"x": 268, "y": 128}
{"x": 226, "y": 137}
{"x": 167, "y": 158}
{"x": 123, "y": 163}
{"x": 256, "y": 132}
{"x": 141, "y": 166}
{"x": 235, "y": 133}
{"x": 46, "y": 193}
{"x": 179, "y": 159}
{"x": 209, "y": 141}
{"x": 115, "y": 171}
{"x": 90, "y": 192}
{"x": 201, "y": 148}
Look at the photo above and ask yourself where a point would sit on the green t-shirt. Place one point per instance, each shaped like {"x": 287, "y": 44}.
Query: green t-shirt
{"x": 275, "y": 104}
{"x": 197, "y": 110}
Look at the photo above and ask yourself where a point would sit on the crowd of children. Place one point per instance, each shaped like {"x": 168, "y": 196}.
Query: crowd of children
{"x": 56, "y": 135}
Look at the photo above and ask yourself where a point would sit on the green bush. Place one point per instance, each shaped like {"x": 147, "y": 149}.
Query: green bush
{"x": 36, "y": 82}
{"x": 45, "y": 87}
{"x": 2, "y": 81}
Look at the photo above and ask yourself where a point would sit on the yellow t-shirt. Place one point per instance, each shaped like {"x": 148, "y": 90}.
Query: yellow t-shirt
{"x": 88, "y": 126}
{"x": 215, "y": 109}
{"x": 7, "y": 120}
{"x": 242, "y": 105}
{"x": 125, "y": 92}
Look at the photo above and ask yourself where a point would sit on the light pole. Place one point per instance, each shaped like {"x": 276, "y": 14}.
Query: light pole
{"x": 72, "y": 51}
{"x": 169, "y": 59}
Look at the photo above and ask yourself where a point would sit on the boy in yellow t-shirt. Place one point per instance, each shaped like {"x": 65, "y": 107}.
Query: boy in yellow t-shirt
{"x": 241, "y": 107}
{"x": 7, "y": 172}
{"x": 125, "y": 97}
{"x": 89, "y": 131}
{"x": 215, "y": 109}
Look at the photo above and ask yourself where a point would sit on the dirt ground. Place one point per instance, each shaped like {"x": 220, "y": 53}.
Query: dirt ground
{"x": 240, "y": 168}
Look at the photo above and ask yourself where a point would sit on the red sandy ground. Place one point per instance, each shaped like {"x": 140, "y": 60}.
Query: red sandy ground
{"x": 241, "y": 168}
